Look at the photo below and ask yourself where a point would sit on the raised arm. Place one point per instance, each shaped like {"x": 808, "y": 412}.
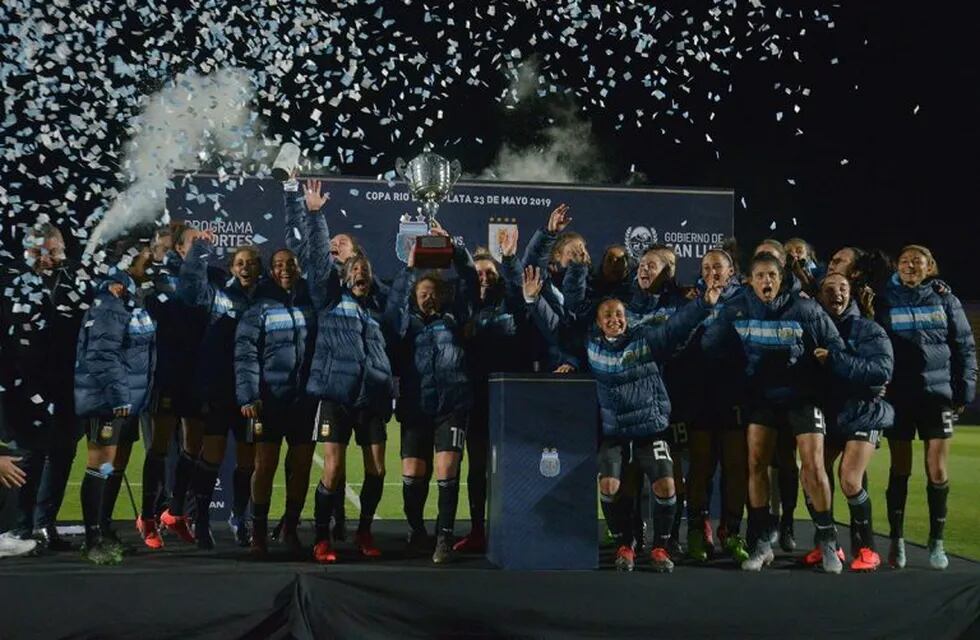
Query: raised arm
{"x": 325, "y": 285}
{"x": 538, "y": 252}
{"x": 297, "y": 229}
{"x": 668, "y": 338}
{"x": 397, "y": 312}
{"x": 193, "y": 287}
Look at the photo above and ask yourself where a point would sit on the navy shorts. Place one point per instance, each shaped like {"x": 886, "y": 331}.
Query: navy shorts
{"x": 336, "y": 423}
{"x": 422, "y": 434}
{"x": 108, "y": 431}
{"x": 220, "y": 418}
{"x": 651, "y": 454}
{"x": 718, "y": 419}
{"x": 292, "y": 420}
{"x": 932, "y": 419}
{"x": 800, "y": 420}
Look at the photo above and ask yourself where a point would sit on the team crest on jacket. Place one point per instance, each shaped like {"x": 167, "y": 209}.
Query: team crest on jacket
{"x": 550, "y": 464}
{"x": 638, "y": 240}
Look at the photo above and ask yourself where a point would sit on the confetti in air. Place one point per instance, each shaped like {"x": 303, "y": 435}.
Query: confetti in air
{"x": 104, "y": 100}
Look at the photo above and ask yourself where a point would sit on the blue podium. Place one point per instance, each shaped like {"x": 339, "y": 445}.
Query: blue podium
{"x": 542, "y": 486}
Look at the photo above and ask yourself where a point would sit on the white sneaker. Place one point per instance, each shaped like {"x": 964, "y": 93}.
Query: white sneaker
{"x": 937, "y": 555}
{"x": 12, "y": 546}
{"x": 896, "y": 553}
{"x": 760, "y": 557}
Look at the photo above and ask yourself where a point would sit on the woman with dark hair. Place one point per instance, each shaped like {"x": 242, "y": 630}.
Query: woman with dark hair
{"x": 935, "y": 378}
{"x": 563, "y": 259}
{"x": 784, "y": 474}
{"x": 273, "y": 349}
{"x": 350, "y": 377}
{"x": 215, "y": 385}
{"x": 716, "y": 430}
{"x": 775, "y": 334}
{"x": 174, "y": 405}
{"x": 495, "y": 341}
{"x": 856, "y": 412}
{"x": 436, "y": 394}
{"x": 635, "y": 409}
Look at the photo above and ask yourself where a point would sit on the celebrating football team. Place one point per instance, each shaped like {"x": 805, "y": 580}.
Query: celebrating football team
{"x": 789, "y": 373}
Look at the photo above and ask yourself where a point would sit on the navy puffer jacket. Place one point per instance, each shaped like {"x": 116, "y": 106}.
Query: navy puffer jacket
{"x": 858, "y": 376}
{"x": 706, "y": 353}
{"x": 434, "y": 377}
{"x": 350, "y": 363}
{"x": 680, "y": 378}
{"x": 225, "y": 304}
{"x": 633, "y": 400}
{"x": 774, "y": 343}
{"x": 180, "y": 327}
{"x": 935, "y": 352}
{"x": 274, "y": 343}
{"x": 496, "y": 336}
{"x": 116, "y": 353}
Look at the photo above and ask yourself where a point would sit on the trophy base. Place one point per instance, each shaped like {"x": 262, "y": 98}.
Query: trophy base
{"x": 433, "y": 252}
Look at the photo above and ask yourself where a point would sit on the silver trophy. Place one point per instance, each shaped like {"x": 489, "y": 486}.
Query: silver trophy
{"x": 286, "y": 162}
{"x": 430, "y": 179}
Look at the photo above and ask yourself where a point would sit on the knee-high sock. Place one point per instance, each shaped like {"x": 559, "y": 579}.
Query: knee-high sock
{"x": 154, "y": 468}
{"x": 937, "y": 495}
{"x": 205, "y": 475}
{"x": 182, "y": 482}
{"x": 789, "y": 487}
{"x": 415, "y": 489}
{"x": 476, "y": 487}
{"x": 758, "y": 525}
{"x": 370, "y": 497}
{"x": 860, "y": 508}
{"x": 93, "y": 487}
{"x": 242, "y": 483}
{"x": 109, "y": 495}
{"x": 663, "y": 518}
{"x": 324, "y": 508}
{"x": 617, "y": 518}
{"x": 871, "y": 523}
{"x": 824, "y": 522}
{"x": 260, "y": 522}
{"x": 675, "y": 526}
{"x": 895, "y": 497}
{"x": 340, "y": 507}
{"x": 448, "y": 502}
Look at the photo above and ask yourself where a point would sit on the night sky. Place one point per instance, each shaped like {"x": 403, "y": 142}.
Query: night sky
{"x": 885, "y": 157}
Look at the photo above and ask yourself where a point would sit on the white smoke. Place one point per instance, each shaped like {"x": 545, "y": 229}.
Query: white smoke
{"x": 193, "y": 120}
{"x": 569, "y": 153}
{"x": 565, "y": 151}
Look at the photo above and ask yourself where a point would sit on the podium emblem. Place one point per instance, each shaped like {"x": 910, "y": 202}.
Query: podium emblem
{"x": 550, "y": 464}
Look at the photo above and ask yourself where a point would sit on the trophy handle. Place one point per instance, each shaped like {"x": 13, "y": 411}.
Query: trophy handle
{"x": 400, "y": 168}
{"x": 455, "y": 170}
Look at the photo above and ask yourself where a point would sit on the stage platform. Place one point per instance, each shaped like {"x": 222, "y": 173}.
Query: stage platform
{"x": 179, "y": 592}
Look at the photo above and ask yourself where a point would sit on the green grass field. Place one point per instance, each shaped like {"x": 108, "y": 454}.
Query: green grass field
{"x": 961, "y": 527}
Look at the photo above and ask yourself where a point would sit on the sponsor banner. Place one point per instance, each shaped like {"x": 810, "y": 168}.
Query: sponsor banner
{"x": 384, "y": 219}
